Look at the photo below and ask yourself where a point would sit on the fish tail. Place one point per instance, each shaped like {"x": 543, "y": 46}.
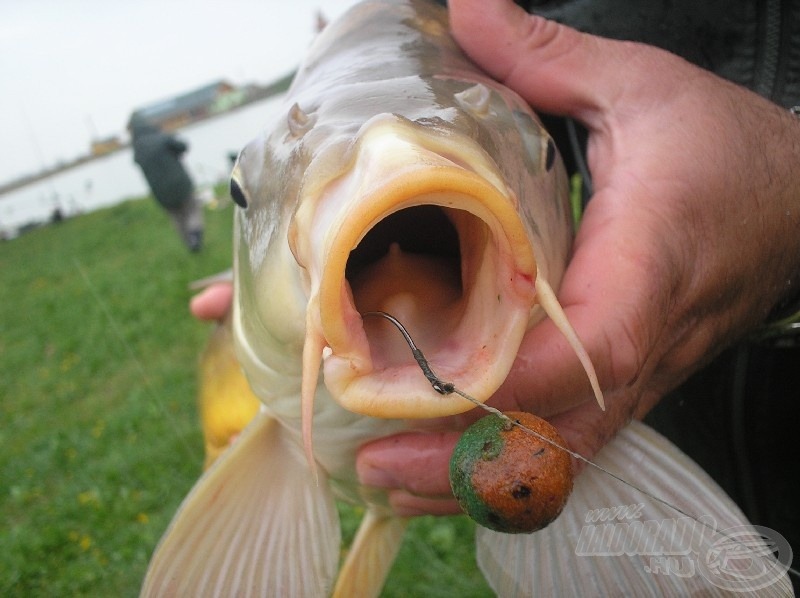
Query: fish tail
{"x": 225, "y": 400}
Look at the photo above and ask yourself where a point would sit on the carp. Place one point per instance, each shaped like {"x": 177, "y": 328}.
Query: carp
{"x": 399, "y": 178}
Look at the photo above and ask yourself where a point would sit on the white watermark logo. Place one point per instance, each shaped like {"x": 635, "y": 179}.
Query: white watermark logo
{"x": 738, "y": 559}
{"x": 748, "y": 557}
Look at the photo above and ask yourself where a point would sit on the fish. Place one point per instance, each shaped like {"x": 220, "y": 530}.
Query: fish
{"x": 398, "y": 177}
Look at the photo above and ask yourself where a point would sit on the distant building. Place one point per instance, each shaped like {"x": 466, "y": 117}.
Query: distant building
{"x": 107, "y": 145}
{"x": 179, "y": 111}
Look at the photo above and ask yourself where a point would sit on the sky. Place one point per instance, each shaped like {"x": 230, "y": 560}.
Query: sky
{"x": 73, "y": 70}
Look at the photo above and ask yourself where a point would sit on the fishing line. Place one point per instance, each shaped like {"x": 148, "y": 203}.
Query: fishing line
{"x": 115, "y": 329}
{"x": 446, "y": 388}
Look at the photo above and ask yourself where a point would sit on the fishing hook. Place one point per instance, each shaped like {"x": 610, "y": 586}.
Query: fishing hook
{"x": 439, "y": 385}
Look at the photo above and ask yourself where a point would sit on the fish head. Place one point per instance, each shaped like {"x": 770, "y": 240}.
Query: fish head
{"x": 437, "y": 198}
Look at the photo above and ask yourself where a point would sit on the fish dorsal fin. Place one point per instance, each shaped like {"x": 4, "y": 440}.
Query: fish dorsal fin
{"x": 549, "y": 302}
{"x": 371, "y": 556}
{"x": 611, "y": 540}
{"x": 256, "y": 524}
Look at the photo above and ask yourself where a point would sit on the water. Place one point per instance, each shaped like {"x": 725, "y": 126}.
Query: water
{"x": 115, "y": 178}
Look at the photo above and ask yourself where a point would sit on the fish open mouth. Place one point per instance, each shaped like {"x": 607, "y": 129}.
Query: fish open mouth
{"x": 409, "y": 265}
{"x": 425, "y": 234}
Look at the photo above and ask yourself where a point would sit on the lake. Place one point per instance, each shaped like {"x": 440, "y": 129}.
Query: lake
{"x": 115, "y": 178}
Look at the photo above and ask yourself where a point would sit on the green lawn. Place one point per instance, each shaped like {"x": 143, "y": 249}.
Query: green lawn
{"x": 100, "y": 438}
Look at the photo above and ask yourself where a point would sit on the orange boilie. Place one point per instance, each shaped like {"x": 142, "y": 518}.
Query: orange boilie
{"x": 510, "y": 480}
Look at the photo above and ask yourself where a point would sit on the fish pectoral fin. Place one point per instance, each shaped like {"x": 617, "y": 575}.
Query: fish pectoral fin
{"x": 371, "y": 556}
{"x": 612, "y": 539}
{"x": 256, "y": 524}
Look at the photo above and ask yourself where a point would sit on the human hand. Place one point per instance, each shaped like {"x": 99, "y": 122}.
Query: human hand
{"x": 213, "y": 302}
{"x": 689, "y": 240}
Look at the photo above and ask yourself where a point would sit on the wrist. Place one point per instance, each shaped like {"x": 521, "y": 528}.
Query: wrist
{"x": 782, "y": 325}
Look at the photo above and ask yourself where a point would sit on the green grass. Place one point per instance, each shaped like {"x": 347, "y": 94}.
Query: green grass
{"x": 100, "y": 437}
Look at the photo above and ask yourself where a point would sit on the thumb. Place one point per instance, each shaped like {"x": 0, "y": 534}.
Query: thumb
{"x": 555, "y": 68}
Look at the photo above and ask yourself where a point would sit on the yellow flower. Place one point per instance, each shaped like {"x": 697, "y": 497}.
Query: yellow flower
{"x": 98, "y": 428}
{"x": 89, "y": 497}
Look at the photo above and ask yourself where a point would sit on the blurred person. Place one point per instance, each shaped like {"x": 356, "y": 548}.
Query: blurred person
{"x": 159, "y": 154}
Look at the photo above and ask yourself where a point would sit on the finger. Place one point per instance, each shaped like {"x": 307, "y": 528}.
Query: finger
{"x": 586, "y": 430}
{"x": 555, "y": 68}
{"x": 212, "y": 303}
{"x": 415, "y": 462}
{"x": 405, "y": 504}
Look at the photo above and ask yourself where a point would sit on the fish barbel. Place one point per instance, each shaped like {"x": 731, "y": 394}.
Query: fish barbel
{"x": 397, "y": 177}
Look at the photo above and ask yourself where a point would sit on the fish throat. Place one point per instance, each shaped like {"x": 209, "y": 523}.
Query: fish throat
{"x": 423, "y": 230}
{"x": 410, "y": 263}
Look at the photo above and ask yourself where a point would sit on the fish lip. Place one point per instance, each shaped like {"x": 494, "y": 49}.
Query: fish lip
{"x": 484, "y": 340}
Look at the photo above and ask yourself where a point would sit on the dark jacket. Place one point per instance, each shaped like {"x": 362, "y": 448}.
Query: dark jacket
{"x": 159, "y": 156}
{"x": 755, "y": 43}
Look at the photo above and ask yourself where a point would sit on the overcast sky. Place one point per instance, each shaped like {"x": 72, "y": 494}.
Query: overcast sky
{"x": 72, "y": 70}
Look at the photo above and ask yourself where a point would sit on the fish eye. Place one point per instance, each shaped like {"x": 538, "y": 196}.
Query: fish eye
{"x": 550, "y": 155}
{"x": 237, "y": 194}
